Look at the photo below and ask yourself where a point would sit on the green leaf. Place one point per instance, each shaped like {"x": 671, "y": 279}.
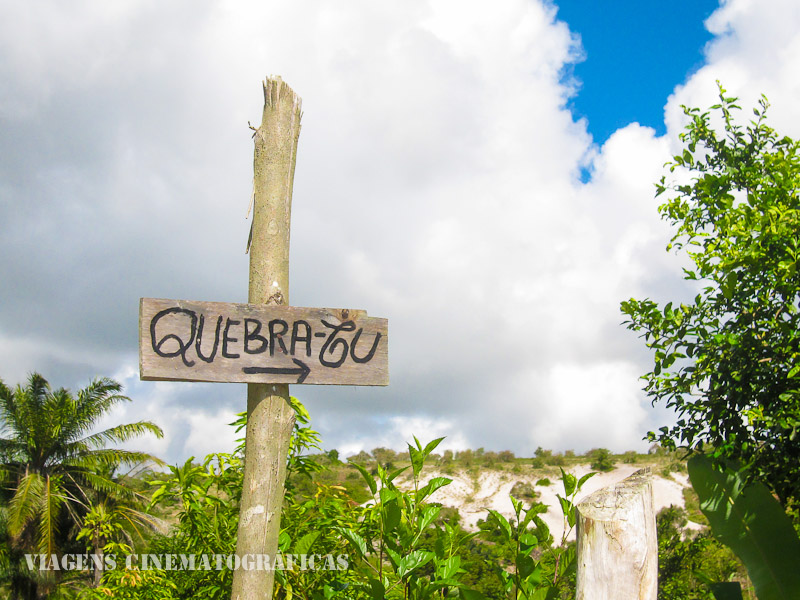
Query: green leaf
{"x": 391, "y": 515}
{"x": 429, "y": 513}
{"x": 416, "y": 459}
{"x": 373, "y": 486}
{"x": 387, "y": 495}
{"x": 584, "y": 479}
{"x": 356, "y": 540}
{"x": 432, "y": 446}
{"x": 517, "y": 504}
{"x": 505, "y": 527}
{"x": 468, "y": 594}
{"x": 391, "y": 476}
{"x": 26, "y": 502}
{"x": 393, "y": 556}
{"x": 569, "y": 481}
{"x": 377, "y": 590}
{"x": 413, "y": 561}
{"x": 449, "y": 567}
{"x": 304, "y": 543}
{"x": 284, "y": 539}
{"x": 726, "y": 590}
{"x": 753, "y": 524}
{"x": 525, "y": 565}
{"x": 433, "y": 485}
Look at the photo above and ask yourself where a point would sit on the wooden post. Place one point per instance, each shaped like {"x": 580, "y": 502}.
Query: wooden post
{"x": 617, "y": 548}
{"x": 270, "y": 418}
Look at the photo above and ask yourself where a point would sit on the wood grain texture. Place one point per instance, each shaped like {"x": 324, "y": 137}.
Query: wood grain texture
{"x": 182, "y": 340}
{"x": 269, "y": 415}
{"x": 617, "y": 546}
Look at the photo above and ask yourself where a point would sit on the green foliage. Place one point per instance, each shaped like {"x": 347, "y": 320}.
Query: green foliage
{"x": 54, "y": 467}
{"x": 753, "y": 524}
{"x": 396, "y": 542}
{"x": 134, "y": 584}
{"x": 537, "y": 570}
{"x": 729, "y": 361}
{"x": 311, "y": 526}
{"x": 687, "y": 563}
{"x": 207, "y": 497}
{"x": 601, "y": 459}
{"x": 691, "y": 503}
{"x": 524, "y": 491}
{"x": 399, "y": 547}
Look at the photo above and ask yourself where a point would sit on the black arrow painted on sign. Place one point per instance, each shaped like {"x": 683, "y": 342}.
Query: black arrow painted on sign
{"x": 301, "y": 371}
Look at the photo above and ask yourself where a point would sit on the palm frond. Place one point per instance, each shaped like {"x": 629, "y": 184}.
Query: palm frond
{"x": 6, "y": 403}
{"x": 26, "y": 502}
{"x": 104, "y": 485}
{"x": 38, "y": 388}
{"x": 136, "y": 518}
{"x": 13, "y": 410}
{"x": 52, "y": 500}
{"x": 109, "y": 458}
{"x": 92, "y": 402}
{"x": 11, "y": 450}
{"x": 122, "y": 433}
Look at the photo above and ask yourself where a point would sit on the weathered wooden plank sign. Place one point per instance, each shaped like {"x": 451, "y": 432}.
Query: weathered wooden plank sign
{"x": 182, "y": 340}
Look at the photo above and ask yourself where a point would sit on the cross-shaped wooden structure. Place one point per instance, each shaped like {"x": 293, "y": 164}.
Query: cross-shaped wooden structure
{"x": 265, "y": 343}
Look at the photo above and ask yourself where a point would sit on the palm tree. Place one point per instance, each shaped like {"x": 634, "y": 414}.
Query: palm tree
{"x": 52, "y": 465}
{"x": 110, "y": 525}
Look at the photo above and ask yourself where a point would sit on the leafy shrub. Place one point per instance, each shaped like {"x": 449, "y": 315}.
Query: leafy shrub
{"x": 685, "y": 563}
{"x": 524, "y": 491}
{"x": 505, "y": 456}
{"x": 601, "y": 459}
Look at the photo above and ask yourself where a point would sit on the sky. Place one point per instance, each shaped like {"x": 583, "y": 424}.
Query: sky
{"x": 481, "y": 178}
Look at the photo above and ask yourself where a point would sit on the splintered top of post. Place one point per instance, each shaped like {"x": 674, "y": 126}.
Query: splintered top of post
{"x": 607, "y": 502}
{"x": 277, "y": 91}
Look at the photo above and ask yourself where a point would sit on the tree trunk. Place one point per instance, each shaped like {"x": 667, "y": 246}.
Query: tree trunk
{"x": 99, "y": 543}
{"x": 617, "y": 548}
{"x": 270, "y": 418}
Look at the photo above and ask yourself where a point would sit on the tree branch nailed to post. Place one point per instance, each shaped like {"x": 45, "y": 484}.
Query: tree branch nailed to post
{"x": 270, "y": 418}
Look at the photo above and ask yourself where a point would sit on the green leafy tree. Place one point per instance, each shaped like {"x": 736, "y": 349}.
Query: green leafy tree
{"x": 53, "y": 465}
{"x": 728, "y": 362}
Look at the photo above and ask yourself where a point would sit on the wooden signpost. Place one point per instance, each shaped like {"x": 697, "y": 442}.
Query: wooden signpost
{"x": 264, "y": 343}
{"x": 252, "y": 343}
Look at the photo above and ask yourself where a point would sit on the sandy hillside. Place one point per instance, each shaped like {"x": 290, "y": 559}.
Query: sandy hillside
{"x": 472, "y": 497}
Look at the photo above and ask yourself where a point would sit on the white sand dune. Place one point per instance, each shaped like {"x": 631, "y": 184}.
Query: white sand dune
{"x": 491, "y": 488}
